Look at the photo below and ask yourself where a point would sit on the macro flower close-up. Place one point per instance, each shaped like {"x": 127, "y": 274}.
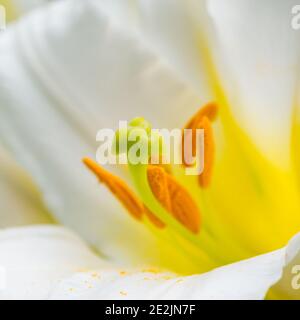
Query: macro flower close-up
{"x": 220, "y": 223}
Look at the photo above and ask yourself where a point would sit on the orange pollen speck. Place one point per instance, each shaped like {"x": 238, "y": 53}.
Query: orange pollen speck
{"x": 174, "y": 198}
{"x": 202, "y": 120}
{"x": 118, "y": 187}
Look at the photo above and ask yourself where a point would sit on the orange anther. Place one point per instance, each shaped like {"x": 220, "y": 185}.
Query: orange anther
{"x": 210, "y": 111}
{"x": 118, "y": 187}
{"x": 209, "y": 153}
{"x": 202, "y": 120}
{"x": 174, "y": 198}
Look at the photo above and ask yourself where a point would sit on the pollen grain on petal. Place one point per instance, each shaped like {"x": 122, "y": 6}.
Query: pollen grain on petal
{"x": 174, "y": 198}
{"x": 118, "y": 187}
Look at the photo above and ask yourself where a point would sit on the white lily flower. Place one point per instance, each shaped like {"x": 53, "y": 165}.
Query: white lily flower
{"x": 71, "y": 68}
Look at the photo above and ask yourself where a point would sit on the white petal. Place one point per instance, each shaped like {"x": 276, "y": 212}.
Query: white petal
{"x": 20, "y": 202}
{"x": 172, "y": 27}
{"x": 255, "y": 53}
{"x": 124, "y": 12}
{"x": 248, "y": 279}
{"x": 34, "y": 259}
{"x": 51, "y": 262}
{"x": 24, "y": 6}
{"x": 261, "y": 52}
{"x": 289, "y": 285}
{"x": 66, "y": 72}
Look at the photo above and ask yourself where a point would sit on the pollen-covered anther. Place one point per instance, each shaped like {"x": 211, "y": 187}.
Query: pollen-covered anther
{"x": 153, "y": 218}
{"x": 202, "y": 120}
{"x": 118, "y": 187}
{"x": 174, "y": 198}
{"x": 209, "y": 153}
{"x": 210, "y": 111}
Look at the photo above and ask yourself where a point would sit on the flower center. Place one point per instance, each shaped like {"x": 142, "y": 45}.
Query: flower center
{"x": 162, "y": 199}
